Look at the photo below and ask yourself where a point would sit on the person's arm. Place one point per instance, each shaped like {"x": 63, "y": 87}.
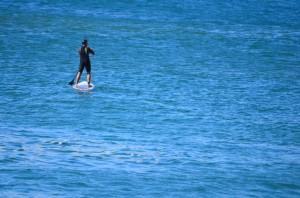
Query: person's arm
{"x": 91, "y": 51}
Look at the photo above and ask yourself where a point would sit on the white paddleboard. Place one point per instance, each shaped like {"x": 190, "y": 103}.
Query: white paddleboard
{"x": 83, "y": 86}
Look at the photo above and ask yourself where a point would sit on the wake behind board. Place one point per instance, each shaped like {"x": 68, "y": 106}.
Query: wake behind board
{"x": 83, "y": 86}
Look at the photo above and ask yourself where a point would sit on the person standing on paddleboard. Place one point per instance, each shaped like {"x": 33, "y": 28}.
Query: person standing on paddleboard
{"x": 85, "y": 62}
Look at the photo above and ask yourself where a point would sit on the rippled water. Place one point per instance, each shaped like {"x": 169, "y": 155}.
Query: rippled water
{"x": 192, "y": 99}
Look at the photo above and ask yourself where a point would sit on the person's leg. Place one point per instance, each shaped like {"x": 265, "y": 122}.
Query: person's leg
{"x": 77, "y": 79}
{"x": 88, "y": 76}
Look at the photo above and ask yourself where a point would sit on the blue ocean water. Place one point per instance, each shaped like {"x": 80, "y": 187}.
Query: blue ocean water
{"x": 192, "y": 99}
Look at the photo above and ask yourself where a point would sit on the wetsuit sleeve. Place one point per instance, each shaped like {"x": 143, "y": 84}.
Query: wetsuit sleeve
{"x": 91, "y": 51}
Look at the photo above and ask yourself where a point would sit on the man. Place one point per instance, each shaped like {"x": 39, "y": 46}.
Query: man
{"x": 85, "y": 62}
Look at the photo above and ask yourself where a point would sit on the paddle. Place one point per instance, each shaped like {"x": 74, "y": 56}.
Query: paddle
{"x": 72, "y": 81}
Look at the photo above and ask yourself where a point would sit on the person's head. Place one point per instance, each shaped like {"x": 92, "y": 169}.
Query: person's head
{"x": 85, "y": 42}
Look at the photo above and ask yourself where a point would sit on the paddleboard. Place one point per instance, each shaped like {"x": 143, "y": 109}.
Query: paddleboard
{"x": 83, "y": 86}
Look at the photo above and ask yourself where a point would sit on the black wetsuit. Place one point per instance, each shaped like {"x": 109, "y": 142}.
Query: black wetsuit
{"x": 84, "y": 62}
{"x": 85, "y": 59}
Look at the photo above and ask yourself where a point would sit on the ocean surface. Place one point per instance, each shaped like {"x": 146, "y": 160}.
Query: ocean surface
{"x": 192, "y": 99}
